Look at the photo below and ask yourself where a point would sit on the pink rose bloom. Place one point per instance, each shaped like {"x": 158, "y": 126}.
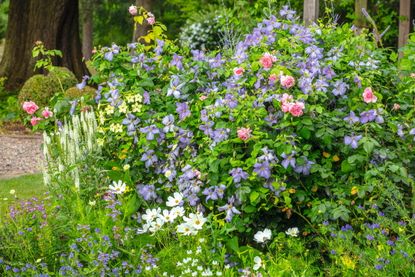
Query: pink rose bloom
{"x": 197, "y": 173}
{"x": 297, "y": 108}
{"x": 396, "y": 107}
{"x": 244, "y": 133}
{"x": 30, "y": 107}
{"x": 369, "y": 96}
{"x": 151, "y": 19}
{"x": 286, "y": 106}
{"x": 132, "y": 10}
{"x": 238, "y": 71}
{"x": 35, "y": 120}
{"x": 286, "y": 98}
{"x": 287, "y": 81}
{"x": 46, "y": 113}
{"x": 273, "y": 77}
{"x": 266, "y": 60}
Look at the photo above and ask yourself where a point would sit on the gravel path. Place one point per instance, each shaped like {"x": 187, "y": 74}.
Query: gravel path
{"x": 20, "y": 154}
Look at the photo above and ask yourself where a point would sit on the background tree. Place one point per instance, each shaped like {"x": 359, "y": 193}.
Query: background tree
{"x": 55, "y": 23}
{"x": 141, "y": 30}
{"x": 86, "y": 8}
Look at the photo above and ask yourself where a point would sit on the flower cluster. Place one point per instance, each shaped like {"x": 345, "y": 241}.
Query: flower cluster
{"x": 156, "y": 218}
{"x": 30, "y": 107}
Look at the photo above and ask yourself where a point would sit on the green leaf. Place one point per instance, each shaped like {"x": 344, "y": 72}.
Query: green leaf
{"x": 253, "y": 197}
{"x": 132, "y": 205}
{"x": 249, "y": 209}
{"x": 305, "y": 133}
{"x": 233, "y": 244}
{"x": 346, "y": 167}
{"x": 146, "y": 83}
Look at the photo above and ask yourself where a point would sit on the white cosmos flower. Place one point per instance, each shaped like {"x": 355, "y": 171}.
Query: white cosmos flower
{"x": 156, "y": 225}
{"x": 168, "y": 216}
{"x": 293, "y": 232}
{"x": 174, "y": 201}
{"x": 195, "y": 220}
{"x": 263, "y": 236}
{"x": 118, "y": 187}
{"x": 207, "y": 272}
{"x": 151, "y": 214}
{"x": 186, "y": 229}
{"x": 177, "y": 211}
{"x": 258, "y": 263}
{"x": 144, "y": 228}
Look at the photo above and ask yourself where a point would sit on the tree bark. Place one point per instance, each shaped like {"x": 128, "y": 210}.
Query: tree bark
{"x": 86, "y": 11}
{"x": 404, "y": 22}
{"x": 142, "y": 30}
{"x": 311, "y": 11}
{"x": 360, "y": 18}
{"x": 55, "y": 23}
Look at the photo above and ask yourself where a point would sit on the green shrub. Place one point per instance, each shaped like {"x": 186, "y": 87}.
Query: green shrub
{"x": 62, "y": 75}
{"x": 74, "y": 92}
{"x": 38, "y": 88}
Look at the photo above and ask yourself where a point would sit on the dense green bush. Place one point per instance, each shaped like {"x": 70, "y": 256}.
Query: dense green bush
{"x": 38, "y": 88}
{"x": 75, "y": 92}
{"x": 62, "y": 78}
{"x": 176, "y": 127}
{"x": 287, "y": 154}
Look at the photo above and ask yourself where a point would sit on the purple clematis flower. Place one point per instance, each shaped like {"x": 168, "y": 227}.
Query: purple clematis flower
{"x": 352, "y": 141}
{"x": 148, "y": 192}
{"x": 262, "y": 169}
{"x": 177, "y": 61}
{"x": 229, "y": 209}
{"x": 238, "y": 174}
{"x": 183, "y": 110}
{"x": 150, "y": 131}
{"x": 149, "y": 158}
{"x": 367, "y": 116}
{"x": 351, "y": 118}
{"x": 288, "y": 160}
{"x": 131, "y": 122}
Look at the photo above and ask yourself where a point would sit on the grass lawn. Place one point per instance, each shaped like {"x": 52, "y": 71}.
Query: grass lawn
{"x": 25, "y": 186}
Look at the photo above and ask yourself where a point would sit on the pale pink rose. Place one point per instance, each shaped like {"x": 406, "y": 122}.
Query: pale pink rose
{"x": 297, "y": 109}
{"x": 286, "y": 106}
{"x": 396, "y": 107}
{"x": 266, "y": 60}
{"x": 30, "y": 107}
{"x": 286, "y": 98}
{"x": 132, "y": 10}
{"x": 244, "y": 133}
{"x": 273, "y": 77}
{"x": 238, "y": 71}
{"x": 369, "y": 96}
{"x": 197, "y": 173}
{"x": 35, "y": 120}
{"x": 151, "y": 19}
{"x": 203, "y": 97}
{"x": 287, "y": 81}
{"x": 46, "y": 113}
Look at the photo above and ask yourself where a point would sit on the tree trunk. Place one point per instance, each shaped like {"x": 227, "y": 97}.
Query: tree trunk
{"x": 404, "y": 22}
{"x": 360, "y": 18}
{"x": 86, "y": 11}
{"x": 311, "y": 10}
{"x": 142, "y": 30}
{"x": 55, "y": 23}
